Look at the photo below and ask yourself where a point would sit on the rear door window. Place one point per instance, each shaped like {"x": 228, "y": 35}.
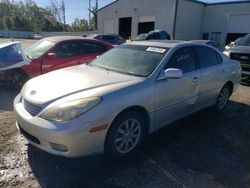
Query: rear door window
{"x": 207, "y": 57}
{"x": 183, "y": 59}
{"x": 90, "y": 48}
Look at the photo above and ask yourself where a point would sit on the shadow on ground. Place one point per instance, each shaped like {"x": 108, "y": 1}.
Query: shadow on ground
{"x": 6, "y": 99}
{"x": 207, "y": 149}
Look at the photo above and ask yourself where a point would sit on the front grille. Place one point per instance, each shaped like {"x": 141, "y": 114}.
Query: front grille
{"x": 243, "y": 58}
{"x": 33, "y": 109}
{"x": 29, "y": 136}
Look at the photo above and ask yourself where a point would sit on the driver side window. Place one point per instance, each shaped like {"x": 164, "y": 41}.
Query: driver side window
{"x": 183, "y": 59}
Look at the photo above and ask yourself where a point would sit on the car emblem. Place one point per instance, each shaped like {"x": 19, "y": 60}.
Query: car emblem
{"x": 33, "y": 92}
{"x": 244, "y": 57}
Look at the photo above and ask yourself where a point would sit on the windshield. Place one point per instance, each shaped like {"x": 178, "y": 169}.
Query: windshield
{"x": 141, "y": 36}
{"x": 38, "y": 49}
{"x": 91, "y": 36}
{"x": 131, "y": 59}
{"x": 244, "y": 41}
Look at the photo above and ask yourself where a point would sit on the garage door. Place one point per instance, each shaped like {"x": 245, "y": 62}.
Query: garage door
{"x": 239, "y": 24}
{"x": 109, "y": 26}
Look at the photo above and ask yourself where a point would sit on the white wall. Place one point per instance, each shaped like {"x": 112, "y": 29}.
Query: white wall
{"x": 189, "y": 20}
{"x": 217, "y": 17}
{"x": 163, "y": 10}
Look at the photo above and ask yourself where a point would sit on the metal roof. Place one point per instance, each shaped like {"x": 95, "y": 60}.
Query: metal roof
{"x": 197, "y": 1}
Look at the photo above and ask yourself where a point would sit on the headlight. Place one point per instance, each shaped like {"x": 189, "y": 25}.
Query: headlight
{"x": 227, "y": 53}
{"x": 70, "y": 110}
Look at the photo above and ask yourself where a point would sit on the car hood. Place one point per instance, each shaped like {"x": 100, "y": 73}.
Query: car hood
{"x": 239, "y": 49}
{"x": 64, "y": 82}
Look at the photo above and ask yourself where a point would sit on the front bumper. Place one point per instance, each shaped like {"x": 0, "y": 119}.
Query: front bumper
{"x": 74, "y": 135}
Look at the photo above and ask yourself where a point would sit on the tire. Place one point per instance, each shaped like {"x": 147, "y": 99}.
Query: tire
{"x": 223, "y": 98}
{"x": 125, "y": 134}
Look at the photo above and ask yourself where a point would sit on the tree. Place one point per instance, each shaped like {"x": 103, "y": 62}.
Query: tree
{"x": 58, "y": 10}
{"x": 27, "y": 16}
{"x": 79, "y": 25}
{"x": 93, "y": 22}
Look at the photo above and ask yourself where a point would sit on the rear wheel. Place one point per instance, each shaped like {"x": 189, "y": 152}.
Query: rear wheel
{"x": 223, "y": 98}
{"x": 125, "y": 134}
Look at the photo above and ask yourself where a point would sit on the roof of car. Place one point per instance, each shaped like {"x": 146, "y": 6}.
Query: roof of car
{"x": 160, "y": 43}
{"x": 62, "y": 38}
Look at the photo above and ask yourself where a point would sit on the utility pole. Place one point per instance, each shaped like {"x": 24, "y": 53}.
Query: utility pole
{"x": 175, "y": 18}
{"x": 89, "y": 14}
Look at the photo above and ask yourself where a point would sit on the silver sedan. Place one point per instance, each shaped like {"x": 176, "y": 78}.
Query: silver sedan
{"x": 129, "y": 92}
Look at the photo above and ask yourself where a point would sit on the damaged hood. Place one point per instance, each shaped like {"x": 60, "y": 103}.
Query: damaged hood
{"x": 12, "y": 56}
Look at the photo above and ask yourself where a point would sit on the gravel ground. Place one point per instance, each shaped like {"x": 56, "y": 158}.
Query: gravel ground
{"x": 207, "y": 149}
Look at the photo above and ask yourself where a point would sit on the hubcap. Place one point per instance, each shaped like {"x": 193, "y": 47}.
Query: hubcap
{"x": 223, "y": 98}
{"x": 127, "y": 135}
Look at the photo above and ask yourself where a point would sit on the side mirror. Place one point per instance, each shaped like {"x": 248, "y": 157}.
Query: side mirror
{"x": 171, "y": 73}
{"x": 52, "y": 55}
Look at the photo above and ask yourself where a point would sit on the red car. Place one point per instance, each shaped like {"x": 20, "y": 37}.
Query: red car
{"x": 53, "y": 53}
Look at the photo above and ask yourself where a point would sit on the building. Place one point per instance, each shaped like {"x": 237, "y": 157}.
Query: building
{"x": 183, "y": 19}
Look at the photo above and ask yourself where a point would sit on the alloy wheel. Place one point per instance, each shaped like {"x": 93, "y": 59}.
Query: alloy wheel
{"x": 127, "y": 136}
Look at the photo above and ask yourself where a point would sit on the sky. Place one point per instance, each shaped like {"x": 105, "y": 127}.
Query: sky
{"x": 79, "y": 8}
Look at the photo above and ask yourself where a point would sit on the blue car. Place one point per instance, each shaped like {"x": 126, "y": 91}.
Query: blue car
{"x": 158, "y": 34}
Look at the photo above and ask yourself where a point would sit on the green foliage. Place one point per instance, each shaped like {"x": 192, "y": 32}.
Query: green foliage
{"x": 78, "y": 25}
{"x": 27, "y": 16}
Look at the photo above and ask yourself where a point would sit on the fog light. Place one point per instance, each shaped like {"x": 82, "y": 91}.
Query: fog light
{"x": 59, "y": 147}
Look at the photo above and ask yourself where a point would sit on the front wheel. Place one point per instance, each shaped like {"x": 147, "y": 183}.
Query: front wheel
{"x": 125, "y": 134}
{"x": 223, "y": 98}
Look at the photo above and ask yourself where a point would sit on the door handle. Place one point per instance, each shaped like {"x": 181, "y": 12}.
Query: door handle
{"x": 195, "y": 79}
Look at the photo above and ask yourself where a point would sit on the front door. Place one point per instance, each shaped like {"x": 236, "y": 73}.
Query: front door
{"x": 175, "y": 98}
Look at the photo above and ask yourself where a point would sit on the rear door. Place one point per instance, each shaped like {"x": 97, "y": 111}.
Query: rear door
{"x": 175, "y": 98}
{"x": 70, "y": 53}
{"x": 212, "y": 74}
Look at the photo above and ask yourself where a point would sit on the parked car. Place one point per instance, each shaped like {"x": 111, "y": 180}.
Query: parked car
{"x": 240, "y": 51}
{"x": 142, "y": 36}
{"x": 37, "y": 36}
{"x": 53, "y": 53}
{"x": 12, "y": 58}
{"x": 133, "y": 90}
{"x": 158, "y": 34}
{"x": 109, "y": 38}
{"x": 232, "y": 43}
{"x": 211, "y": 43}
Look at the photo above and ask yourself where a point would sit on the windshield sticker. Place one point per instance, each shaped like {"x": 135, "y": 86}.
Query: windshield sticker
{"x": 157, "y": 50}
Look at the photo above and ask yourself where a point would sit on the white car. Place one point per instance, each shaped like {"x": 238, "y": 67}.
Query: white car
{"x": 132, "y": 90}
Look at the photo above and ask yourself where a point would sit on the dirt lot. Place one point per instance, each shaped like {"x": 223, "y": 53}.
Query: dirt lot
{"x": 208, "y": 149}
